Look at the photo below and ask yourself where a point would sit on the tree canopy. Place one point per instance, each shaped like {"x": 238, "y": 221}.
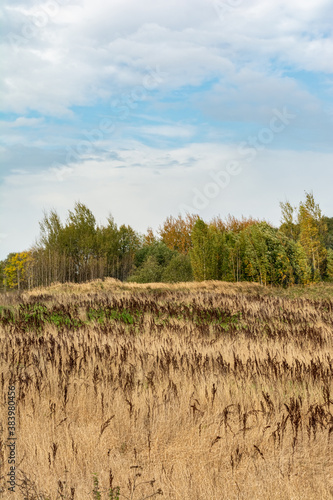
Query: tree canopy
{"x": 184, "y": 248}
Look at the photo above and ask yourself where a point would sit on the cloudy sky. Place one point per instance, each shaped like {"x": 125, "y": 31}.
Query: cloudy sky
{"x": 158, "y": 107}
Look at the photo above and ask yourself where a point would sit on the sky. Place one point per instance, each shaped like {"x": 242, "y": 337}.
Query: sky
{"x": 148, "y": 109}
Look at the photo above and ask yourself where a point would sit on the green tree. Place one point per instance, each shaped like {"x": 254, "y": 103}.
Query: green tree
{"x": 178, "y": 270}
{"x": 301, "y": 270}
{"x": 158, "y": 249}
{"x": 289, "y": 225}
{"x": 149, "y": 272}
{"x": 265, "y": 256}
{"x": 328, "y": 240}
{"x": 49, "y": 251}
{"x": 161, "y": 254}
{"x": 255, "y": 255}
{"x": 79, "y": 240}
{"x": 228, "y": 255}
{"x": 128, "y": 244}
{"x": 329, "y": 264}
{"x": 204, "y": 252}
{"x": 50, "y": 231}
{"x": 108, "y": 243}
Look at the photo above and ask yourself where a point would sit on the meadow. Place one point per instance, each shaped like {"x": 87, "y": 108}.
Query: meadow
{"x": 201, "y": 391}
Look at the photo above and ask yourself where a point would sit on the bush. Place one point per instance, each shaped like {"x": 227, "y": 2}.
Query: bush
{"x": 149, "y": 272}
{"x": 178, "y": 269}
{"x": 150, "y": 262}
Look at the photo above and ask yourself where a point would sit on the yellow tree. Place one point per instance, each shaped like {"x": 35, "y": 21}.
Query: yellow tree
{"x": 312, "y": 233}
{"x": 18, "y": 269}
{"x": 149, "y": 238}
{"x": 237, "y": 225}
{"x": 176, "y": 232}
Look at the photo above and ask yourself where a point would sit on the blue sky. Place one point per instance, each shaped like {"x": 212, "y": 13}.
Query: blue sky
{"x": 146, "y": 109}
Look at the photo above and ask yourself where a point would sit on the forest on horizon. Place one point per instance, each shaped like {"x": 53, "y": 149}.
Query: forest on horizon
{"x": 185, "y": 248}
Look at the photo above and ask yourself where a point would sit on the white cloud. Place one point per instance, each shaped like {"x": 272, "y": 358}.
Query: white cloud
{"x": 106, "y": 46}
{"x": 168, "y": 131}
{"x": 22, "y": 121}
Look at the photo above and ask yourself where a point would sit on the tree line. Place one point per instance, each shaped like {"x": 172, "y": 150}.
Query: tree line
{"x": 185, "y": 248}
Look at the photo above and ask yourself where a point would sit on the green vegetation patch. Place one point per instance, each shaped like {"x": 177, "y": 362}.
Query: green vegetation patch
{"x": 30, "y": 317}
{"x": 102, "y": 315}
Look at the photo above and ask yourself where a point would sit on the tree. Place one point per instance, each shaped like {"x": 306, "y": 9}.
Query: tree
{"x": 108, "y": 243}
{"x": 79, "y": 241}
{"x": 176, "y": 232}
{"x": 149, "y": 238}
{"x": 204, "y": 255}
{"x": 301, "y": 270}
{"x": 256, "y": 255}
{"x": 328, "y": 241}
{"x": 128, "y": 244}
{"x": 289, "y": 225}
{"x": 149, "y": 272}
{"x": 312, "y": 234}
{"x": 17, "y": 270}
{"x": 2, "y": 274}
{"x": 161, "y": 254}
{"x": 51, "y": 228}
{"x": 329, "y": 264}
{"x": 265, "y": 256}
{"x": 179, "y": 269}
{"x": 49, "y": 251}
{"x": 233, "y": 224}
{"x": 158, "y": 249}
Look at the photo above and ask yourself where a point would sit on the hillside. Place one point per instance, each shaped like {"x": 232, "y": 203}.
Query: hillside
{"x": 197, "y": 390}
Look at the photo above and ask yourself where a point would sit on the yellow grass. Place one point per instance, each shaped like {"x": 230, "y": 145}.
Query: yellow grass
{"x": 240, "y": 409}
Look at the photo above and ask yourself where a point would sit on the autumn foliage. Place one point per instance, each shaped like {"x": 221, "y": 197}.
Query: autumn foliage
{"x": 176, "y": 232}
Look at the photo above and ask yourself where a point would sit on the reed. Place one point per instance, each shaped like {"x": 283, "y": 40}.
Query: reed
{"x": 196, "y": 391}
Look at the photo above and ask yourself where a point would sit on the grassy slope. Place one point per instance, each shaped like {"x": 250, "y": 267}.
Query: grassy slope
{"x": 215, "y": 390}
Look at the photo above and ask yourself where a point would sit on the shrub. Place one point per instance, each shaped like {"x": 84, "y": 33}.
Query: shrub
{"x": 149, "y": 272}
{"x": 178, "y": 269}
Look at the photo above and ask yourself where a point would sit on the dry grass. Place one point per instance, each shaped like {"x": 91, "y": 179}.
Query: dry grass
{"x": 214, "y": 391}
{"x": 313, "y": 291}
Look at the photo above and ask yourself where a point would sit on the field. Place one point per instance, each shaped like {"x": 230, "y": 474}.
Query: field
{"x": 200, "y": 391}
